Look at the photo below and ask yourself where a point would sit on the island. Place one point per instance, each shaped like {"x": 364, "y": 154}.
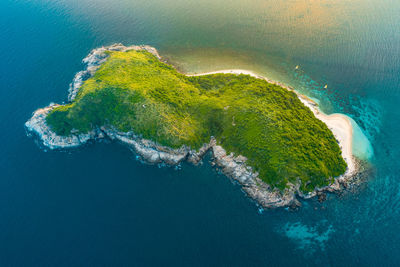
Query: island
{"x": 273, "y": 141}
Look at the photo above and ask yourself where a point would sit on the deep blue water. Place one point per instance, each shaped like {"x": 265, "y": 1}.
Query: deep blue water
{"x": 97, "y": 205}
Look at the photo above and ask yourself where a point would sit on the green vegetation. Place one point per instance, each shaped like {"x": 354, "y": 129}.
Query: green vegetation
{"x": 134, "y": 91}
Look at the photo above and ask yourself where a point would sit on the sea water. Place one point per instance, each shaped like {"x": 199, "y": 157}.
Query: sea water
{"x": 98, "y": 205}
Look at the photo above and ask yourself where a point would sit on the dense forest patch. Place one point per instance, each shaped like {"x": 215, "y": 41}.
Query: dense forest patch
{"x": 134, "y": 91}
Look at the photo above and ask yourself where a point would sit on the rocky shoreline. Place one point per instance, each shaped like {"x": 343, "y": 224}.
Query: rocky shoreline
{"x": 233, "y": 166}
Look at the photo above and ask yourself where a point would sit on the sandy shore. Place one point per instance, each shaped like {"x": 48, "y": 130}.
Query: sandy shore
{"x": 341, "y": 128}
{"x": 339, "y": 124}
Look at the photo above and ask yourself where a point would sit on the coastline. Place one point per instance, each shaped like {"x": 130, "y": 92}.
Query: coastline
{"x": 233, "y": 166}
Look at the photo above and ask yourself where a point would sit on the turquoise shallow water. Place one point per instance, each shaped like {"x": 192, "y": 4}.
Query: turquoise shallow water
{"x": 97, "y": 205}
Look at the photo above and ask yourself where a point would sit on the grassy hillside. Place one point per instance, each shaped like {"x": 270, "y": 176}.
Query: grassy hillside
{"x": 268, "y": 124}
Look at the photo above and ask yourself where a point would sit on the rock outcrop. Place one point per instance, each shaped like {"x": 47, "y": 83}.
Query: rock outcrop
{"x": 49, "y": 138}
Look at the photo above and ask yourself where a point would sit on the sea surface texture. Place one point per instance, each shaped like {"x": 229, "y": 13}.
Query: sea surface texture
{"x": 98, "y": 205}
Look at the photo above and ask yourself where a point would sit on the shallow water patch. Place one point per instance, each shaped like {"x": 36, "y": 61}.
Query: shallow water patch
{"x": 308, "y": 238}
